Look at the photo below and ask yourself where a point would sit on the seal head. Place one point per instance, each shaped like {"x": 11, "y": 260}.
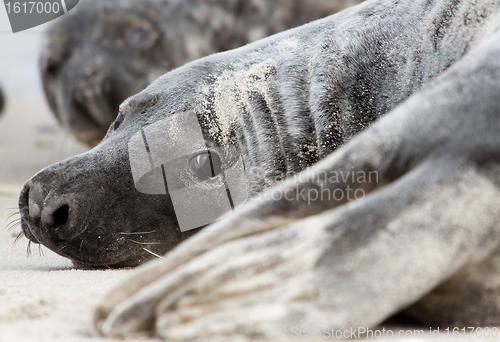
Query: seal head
{"x": 77, "y": 209}
{"x": 97, "y": 57}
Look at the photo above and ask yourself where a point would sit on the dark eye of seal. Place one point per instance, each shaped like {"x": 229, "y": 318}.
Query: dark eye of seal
{"x": 117, "y": 123}
{"x": 206, "y": 165}
{"x": 138, "y": 37}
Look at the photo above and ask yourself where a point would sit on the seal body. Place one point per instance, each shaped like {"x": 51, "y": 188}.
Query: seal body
{"x": 404, "y": 91}
{"x": 105, "y": 51}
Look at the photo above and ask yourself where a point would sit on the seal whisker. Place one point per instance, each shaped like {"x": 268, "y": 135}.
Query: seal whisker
{"x": 14, "y": 220}
{"x": 40, "y": 251}
{"x": 11, "y": 225}
{"x": 28, "y": 248}
{"x": 18, "y": 237}
{"x": 13, "y": 214}
{"x": 138, "y": 233}
{"x": 10, "y": 229}
{"x": 146, "y": 243}
{"x": 156, "y": 255}
{"x": 11, "y": 208}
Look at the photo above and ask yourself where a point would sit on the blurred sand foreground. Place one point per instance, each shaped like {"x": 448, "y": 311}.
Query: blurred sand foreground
{"x": 42, "y": 298}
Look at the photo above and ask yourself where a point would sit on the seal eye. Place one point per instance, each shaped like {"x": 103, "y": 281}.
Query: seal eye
{"x": 117, "y": 123}
{"x": 138, "y": 37}
{"x": 207, "y": 165}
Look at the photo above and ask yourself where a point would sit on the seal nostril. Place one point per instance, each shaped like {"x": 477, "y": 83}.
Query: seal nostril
{"x": 60, "y": 216}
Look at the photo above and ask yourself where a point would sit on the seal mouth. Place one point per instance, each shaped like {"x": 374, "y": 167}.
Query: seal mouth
{"x": 124, "y": 263}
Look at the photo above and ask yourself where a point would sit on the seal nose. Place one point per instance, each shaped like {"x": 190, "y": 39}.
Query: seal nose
{"x": 44, "y": 218}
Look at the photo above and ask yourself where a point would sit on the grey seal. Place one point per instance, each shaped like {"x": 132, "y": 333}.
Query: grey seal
{"x": 105, "y": 51}
{"x": 404, "y": 91}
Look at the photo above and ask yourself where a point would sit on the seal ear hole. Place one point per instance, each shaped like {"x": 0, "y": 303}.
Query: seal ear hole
{"x": 61, "y": 215}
